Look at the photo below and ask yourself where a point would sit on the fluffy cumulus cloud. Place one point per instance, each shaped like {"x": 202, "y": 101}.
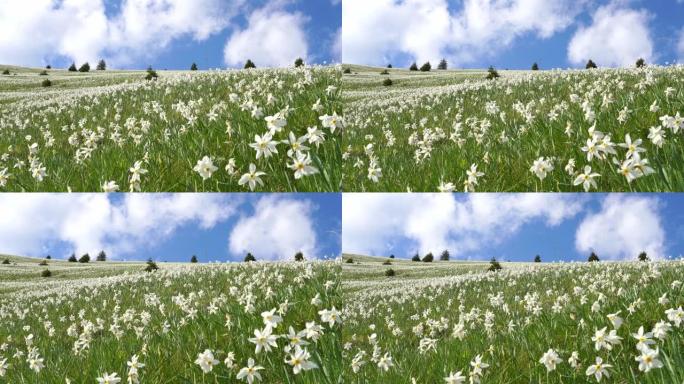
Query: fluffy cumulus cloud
{"x": 278, "y": 228}
{"x": 375, "y": 223}
{"x": 617, "y": 36}
{"x": 622, "y": 228}
{"x": 33, "y": 32}
{"x": 92, "y": 222}
{"x": 375, "y": 32}
{"x": 273, "y": 37}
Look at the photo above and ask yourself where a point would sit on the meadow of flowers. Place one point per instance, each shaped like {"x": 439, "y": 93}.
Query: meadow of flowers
{"x": 608, "y": 322}
{"x": 559, "y": 130}
{"x": 237, "y": 130}
{"x": 112, "y": 323}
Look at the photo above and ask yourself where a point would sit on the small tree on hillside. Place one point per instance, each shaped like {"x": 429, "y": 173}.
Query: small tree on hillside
{"x": 249, "y": 64}
{"x": 641, "y": 63}
{"x": 492, "y": 73}
{"x": 392, "y": 256}
{"x": 72, "y": 68}
{"x": 48, "y": 66}
{"x": 48, "y": 257}
{"x": 101, "y": 65}
{"x": 591, "y": 64}
{"x": 85, "y": 67}
{"x": 84, "y": 259}
{"x": 299, "y": 62}
{"x": 593, "y": 257}
{"x": 389, "y": 66}
{"x": 643, "y": 256}
{"x": 426, "y": 67}
{"x": 6, "y": 262}
{"x": 413, "y": 67}
{"x": 537, "y": 259}
{"x": 442, "y": 65}
{"x": 102, "y": 256}
{"x": 151, "y": 266}
{"x": 193, "y": 259}
{"x": 73, "y": 258}
{"x": 299, "y": 256}
{"x": 494, "y": 265}
{"x": 428, "y": 258}
{"x": 193, "y": 67}
{"x": 444, "y": 256}
{"x": 249, "y": 257}
{"x": 416, "y": 257}
{"x": 151, "y": 74}
{"x": 535, "y": 67}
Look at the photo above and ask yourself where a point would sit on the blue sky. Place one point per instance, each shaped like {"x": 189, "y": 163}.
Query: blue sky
{"x": 169, "y": 34}
{"x": 513, "y": 33}
{"x": 515, "y": 227}
{"x": 171, "y": 227}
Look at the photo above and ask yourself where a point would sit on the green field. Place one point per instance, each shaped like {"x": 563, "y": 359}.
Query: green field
{"x": 525, "y": 131}
{"x": 432, "y": 320}
{"x": 185, "y": 131}
{"x": 87, "y": 321}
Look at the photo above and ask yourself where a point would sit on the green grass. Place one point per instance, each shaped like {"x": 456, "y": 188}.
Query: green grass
{"x": 165, "y": 317}
{"x": 428, "y": 128}
{"x": 426, "y": 304}
{"x": 91, "y": 128}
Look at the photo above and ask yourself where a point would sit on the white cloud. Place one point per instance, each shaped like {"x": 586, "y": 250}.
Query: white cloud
{"x": 625, "y": 226}
{"x": 618, "y": 36}
{"x": 272, "y": 38}
{"x": 375, "y": 223}
{"x": 680, "y": 45}
{"x": 375, "y": 32}
{"x": 33, "y": 32}
{"x": 278, "y": 229}
{"x": 92, "y": 222}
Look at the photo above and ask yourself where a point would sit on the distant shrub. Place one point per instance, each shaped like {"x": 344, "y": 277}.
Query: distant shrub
{"x": 426, "y": 67}
{"x": 46, "y": 273}
{"x": 73, "y": 258}
{"x": 44, "y": 262}
{"x": 46, "y": 83}
{"x": 535, "y": 67}
{"x": 347, "y": 71}
{"x": 389, "y": 66}
{"x": 494, "y": 265}
{"x": 349, "y": 261}
{"x": 415, "y": 257}
{"x": 6, "y": 262}
{"x": 48, "y": 257}
{"x": 444, "y": 256}
{"x": 193, "y": 259}
{"x": 537, "y": 259}
{"x": 151, "y": 74}
{"x": 48, "y": 66}
{"x": 428, "y": 258}
{"x": 593, "y": 258}
{"x": 102, "y": 256}
{"x": 249, "y": 257}
{"x": 386, "y": 262}
{"x": 84, "y": 68}
{"x": 43, "y": 73}
{"x": 299, "y": 62}
{"x": 492, "y": 73}
{"x": 643, "y": 256}
{"x": 299, "y": 256}
{"x": 413, "y": 67}
{"x": 591, "y": 64}
{"x": 249, "y": 64}
{"x": 193, "y": 67}
{"x": 151, "y": 266}
{"x": 101, "y": 65}
{"x": 72, "y": 68}
{"x": 391, "y": 256}
{"x": 390, "y": 272}
{"x": 387, "y": 82}
{"x": 84, "y": 259}
{"x": 640, "y": 63}
{"x": 442, "y": 65}
{"x": 384, "y": 72}
{"x": 6, "y": 72}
